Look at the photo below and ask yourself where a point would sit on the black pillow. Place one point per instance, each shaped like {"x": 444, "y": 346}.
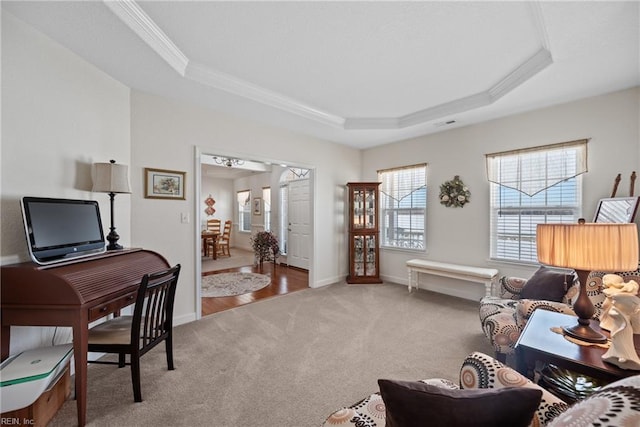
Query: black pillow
{"x": 546, "y": 284}
{"x": 416, "y": 404}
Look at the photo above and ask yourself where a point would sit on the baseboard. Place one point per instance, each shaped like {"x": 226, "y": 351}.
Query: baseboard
{"x": 452, "y": 287}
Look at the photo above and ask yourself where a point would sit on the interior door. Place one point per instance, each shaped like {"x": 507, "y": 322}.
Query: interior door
{"x": 299, "y": 227}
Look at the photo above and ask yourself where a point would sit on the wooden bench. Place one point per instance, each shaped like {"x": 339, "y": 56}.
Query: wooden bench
{"x": 487, "y": 276}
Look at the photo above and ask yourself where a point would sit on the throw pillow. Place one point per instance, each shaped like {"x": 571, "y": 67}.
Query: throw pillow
{"x": 416, "y": 404}
{"x": 546, "y": 284}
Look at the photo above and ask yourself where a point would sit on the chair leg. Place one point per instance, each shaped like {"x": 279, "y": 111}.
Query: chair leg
{"x": 169, "y": 350}
{"x": 135, "y": 377}
{"x": 121, "y": 360}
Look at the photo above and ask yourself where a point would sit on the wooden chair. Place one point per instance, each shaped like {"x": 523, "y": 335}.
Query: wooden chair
{"x": 224, "y": 240}
{"x": 214, "y": 225}
{"x": 151, "y": 323}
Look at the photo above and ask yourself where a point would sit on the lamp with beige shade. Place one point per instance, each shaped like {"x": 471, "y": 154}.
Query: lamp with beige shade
{"x": 587, "y": 247}
{"x": 111, "y": 178}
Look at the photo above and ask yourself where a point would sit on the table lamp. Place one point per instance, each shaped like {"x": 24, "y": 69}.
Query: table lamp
{"x": 587, "y": 247}
{"x": 111, "y": 178}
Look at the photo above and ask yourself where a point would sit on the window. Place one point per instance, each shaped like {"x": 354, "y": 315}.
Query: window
{"x": 530, "y": 187}
{"x": 244, "y": 210}
{"x": 266, "y": 201}
{"x": 403, "y": 203}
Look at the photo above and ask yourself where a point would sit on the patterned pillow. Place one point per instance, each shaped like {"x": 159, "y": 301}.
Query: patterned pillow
{"x": 413, "y": 403}
{"x": 617, "y": 404}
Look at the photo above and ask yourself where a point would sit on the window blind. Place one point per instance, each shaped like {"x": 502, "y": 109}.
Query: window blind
{"x": 535, "y": 169}
{"x": 535, "y": 186}
{"x": 403, "y": 201}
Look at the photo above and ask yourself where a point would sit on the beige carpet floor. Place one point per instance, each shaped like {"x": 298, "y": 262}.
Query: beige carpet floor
{"x": 289, "y": 360}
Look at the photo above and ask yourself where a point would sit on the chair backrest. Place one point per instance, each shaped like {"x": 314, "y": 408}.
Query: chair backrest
{"x": 213, "y": 225}
{"x": 153, "y": 313}
{"x": 226, "y": 233}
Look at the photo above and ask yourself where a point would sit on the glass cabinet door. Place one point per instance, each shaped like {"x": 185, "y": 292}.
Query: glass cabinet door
{"x": 364, "y": 209}
{"x": 364, "y": 256}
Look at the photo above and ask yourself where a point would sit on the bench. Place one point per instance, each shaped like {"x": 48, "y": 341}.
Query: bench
{"x": 487, "y": 276}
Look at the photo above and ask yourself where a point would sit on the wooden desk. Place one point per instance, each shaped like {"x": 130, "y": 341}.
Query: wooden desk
{"x": 73, "y": 293}
{"x": 538, "y": 343}
{"x": 213, "y": 235}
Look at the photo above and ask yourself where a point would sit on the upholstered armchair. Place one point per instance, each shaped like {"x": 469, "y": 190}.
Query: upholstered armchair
{"x": 617, "y": 403}
{"x": 503, "y": 317}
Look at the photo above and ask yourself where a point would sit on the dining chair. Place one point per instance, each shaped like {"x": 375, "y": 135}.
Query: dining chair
{"x": 214, "y": 225}
{"x": 151, "y": 323}
{"x": 224, "y": 240}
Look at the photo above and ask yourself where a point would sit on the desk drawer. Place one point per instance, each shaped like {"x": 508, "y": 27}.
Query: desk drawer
{"x": 109, "y": 307}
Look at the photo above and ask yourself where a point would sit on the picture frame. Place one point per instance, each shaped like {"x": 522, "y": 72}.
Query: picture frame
{"x": 164, "y": 184}
{"x": 618, "y": 210}
{"x": 257, "y": 206}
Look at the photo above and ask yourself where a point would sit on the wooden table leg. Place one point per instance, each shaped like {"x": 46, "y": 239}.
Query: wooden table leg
{"x": 80, "y": 348}
{"x": 6, "y": 339}
{"x": 214, "y": 255}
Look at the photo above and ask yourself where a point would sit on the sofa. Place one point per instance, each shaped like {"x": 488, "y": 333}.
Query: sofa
{"x": 615, "y": 404}
{"x": 503, "y": 317}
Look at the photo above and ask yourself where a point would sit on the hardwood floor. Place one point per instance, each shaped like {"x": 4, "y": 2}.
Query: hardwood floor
{"x": 283, "y": 280}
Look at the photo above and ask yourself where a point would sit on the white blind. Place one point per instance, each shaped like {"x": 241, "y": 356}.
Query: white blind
{"x": 534, "y": 169}
{"x": 403, "y": 201}
{"x": 526, "y": 196}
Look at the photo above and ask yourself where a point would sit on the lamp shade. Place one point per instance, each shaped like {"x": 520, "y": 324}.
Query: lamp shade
{"x": 590, "y": 246}
{"x": 110, "y": 178}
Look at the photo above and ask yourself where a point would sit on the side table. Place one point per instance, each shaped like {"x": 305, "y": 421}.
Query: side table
{"x": 538, "y": 343}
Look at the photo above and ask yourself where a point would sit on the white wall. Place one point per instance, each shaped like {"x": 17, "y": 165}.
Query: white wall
{"x": 59, "y": 116}
{"x": 461, "y": 235}
{"x": 223, "y": 193}
{"x": 165, "y": 134}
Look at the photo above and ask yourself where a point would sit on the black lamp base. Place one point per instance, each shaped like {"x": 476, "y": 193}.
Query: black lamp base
{"x": 584, "y": 309}
{"x": 584, "y": 333}
{"x": 113, "y": 238}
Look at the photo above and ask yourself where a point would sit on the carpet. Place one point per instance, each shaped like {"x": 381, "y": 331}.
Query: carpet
{"x": 229, "y": 284}
{"x": 289, "y": 360}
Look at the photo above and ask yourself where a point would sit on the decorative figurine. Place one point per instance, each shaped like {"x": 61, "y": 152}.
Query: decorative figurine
{"x": 621, "y": 316}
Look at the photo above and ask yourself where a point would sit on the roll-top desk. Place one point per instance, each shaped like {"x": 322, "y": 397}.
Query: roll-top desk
{"x": 73, "y": 293}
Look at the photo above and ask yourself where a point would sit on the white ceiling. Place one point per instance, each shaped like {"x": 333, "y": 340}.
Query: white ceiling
{"x": 358, "y": 73}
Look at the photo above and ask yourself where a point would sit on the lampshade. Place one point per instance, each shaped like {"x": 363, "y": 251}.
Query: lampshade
{"x": 590, "y": 246}
{"x": 584, "y": 248}
{"x": 110, "y": 178}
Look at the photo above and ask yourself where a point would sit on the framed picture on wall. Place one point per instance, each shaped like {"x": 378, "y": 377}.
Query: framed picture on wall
{"x": 164, "y": 184}
{"x": 257, "y": 206}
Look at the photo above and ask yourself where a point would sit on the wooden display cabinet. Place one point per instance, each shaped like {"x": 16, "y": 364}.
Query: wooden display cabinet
{"x": 364, "y": 254}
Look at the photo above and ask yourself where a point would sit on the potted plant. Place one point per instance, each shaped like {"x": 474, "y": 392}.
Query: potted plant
{"x": 265, "y": 246}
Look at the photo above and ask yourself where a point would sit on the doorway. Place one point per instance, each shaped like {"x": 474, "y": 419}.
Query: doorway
{"x": 221, "y": 178}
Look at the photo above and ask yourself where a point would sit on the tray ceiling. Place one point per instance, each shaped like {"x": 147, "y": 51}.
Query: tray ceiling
{"x": 357, "y": 73}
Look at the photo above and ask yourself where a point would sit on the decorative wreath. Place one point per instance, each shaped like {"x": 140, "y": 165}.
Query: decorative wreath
{"x": 454, "y": 193}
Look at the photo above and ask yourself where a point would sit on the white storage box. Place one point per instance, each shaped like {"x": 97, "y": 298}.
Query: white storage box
{"x": 25, "y": 377}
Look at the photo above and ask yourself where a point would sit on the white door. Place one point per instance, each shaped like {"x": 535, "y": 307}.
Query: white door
{"x": 299, "y": 227}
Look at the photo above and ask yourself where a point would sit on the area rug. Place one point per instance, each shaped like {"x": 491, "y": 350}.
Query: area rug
{"x": 229, "y": 284}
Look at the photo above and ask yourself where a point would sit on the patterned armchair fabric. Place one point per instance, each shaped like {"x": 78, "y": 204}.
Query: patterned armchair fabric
{"x": 616, "y": 404}
{"x": 503, "y": 318}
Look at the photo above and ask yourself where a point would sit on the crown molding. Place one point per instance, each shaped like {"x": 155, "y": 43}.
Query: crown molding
{"x": 141, "y": 24}
{"x": 525, "y": 71}
{"x": 231, "y": 84}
